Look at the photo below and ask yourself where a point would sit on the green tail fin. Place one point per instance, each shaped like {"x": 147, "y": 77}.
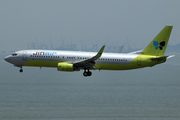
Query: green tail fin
{"x": 158, "y": 45}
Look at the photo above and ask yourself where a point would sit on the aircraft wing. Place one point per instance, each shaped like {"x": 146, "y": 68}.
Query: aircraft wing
{"x": 89, "y": 63}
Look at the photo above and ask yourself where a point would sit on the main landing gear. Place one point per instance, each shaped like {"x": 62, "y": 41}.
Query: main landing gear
{"x": 87, "y": 73}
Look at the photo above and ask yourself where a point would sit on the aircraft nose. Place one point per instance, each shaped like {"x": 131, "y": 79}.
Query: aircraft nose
{"x": 7, "y": 58}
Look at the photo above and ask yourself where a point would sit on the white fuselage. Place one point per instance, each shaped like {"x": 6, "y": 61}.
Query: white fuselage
{"x": 25, "y": 56}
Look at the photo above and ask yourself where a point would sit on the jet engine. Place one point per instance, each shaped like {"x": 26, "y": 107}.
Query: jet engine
{"x": 65, "y": 67}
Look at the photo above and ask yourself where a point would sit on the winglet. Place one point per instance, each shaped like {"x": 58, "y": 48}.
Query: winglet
{"x": 101, "y": 50}
{"x": 89, "y": 63}
{"x": 98, "y": 55}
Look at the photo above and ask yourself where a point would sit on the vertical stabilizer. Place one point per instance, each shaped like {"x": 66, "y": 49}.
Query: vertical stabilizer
{"x": 158, "y": 45}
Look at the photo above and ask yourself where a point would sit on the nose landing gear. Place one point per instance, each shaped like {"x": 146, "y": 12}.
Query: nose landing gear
{"x": 87, "y": 73}
{"x": 21, "y": 70}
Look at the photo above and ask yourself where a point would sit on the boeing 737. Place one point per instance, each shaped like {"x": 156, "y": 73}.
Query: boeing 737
{"x": 71, "y": 61}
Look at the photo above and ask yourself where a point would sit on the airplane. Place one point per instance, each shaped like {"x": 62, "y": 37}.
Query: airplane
{"x": 70, "y": 61}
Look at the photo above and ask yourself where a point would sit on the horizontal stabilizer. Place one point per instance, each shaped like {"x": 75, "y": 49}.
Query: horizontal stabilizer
{"x": 136, "y": 52}
{"x": 160, "y": 58}
{"x": 170, "y": 56}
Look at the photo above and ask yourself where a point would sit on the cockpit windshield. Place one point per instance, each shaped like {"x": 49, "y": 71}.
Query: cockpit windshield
{"x": 14, "y": 54}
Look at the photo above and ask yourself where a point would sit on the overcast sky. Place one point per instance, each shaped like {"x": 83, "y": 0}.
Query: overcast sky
{"x": 110, "y": 22}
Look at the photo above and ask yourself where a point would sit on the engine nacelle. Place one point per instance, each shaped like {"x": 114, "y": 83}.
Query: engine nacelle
{"x": 65, "y": 67}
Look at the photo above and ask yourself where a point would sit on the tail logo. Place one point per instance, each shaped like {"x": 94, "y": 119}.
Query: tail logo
{"x": 159, "y": 45}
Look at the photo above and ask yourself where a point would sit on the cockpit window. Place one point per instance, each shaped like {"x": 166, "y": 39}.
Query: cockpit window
{"x": 14, "y": 54}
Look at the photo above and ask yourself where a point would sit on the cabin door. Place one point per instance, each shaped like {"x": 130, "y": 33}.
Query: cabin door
{"x": 24, "y": 56}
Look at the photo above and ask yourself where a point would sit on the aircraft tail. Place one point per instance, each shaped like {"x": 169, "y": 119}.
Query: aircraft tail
{"x": 158, "y": 45}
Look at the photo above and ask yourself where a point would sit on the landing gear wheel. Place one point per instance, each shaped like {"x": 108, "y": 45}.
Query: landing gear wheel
{"x": 89, "y": 73}
{"x": 85, "y": 74}
{"x": 21, "y": 70}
